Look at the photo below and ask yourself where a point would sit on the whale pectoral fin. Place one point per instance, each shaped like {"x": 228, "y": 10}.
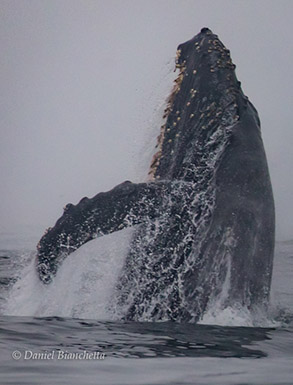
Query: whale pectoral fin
{"x": 125, "y": 205}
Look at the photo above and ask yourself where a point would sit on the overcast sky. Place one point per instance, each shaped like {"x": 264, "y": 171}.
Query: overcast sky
{"x": 81, "y": 82}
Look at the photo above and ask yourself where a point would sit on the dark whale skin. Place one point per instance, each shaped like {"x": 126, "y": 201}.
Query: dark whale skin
{"x": 206, "y": 222}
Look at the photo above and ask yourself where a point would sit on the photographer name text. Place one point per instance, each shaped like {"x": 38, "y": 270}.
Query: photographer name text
{"x": 57, "y": 355}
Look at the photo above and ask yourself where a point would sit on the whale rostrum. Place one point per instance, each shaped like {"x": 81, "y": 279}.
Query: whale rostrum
{"x": 205, "y": 221}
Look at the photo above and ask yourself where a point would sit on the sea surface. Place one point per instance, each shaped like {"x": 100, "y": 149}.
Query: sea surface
{"x": 64, "y": 334}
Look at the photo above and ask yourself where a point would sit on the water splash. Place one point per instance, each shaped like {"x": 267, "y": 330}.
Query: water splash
{"x": 83, "y": 286}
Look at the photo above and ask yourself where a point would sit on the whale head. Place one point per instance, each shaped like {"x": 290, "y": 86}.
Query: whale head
{"x": 203, "y": 100}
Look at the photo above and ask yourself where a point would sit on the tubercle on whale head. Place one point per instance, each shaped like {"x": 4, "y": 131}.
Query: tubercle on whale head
{"x": 206, "y": 60}
{"x": 205, "y": 86}
{"x": 182, "y": 57}
{"x": 169, "y": 103}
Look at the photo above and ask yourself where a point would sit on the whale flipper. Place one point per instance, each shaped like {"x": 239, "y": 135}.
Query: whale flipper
{"x": 125, "y": 205}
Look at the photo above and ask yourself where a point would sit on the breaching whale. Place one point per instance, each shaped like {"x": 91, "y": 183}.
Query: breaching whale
{"x": 205, "y": 219}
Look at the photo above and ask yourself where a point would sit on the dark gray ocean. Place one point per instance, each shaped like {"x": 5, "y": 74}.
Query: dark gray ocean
{"x": 63, "y": 334}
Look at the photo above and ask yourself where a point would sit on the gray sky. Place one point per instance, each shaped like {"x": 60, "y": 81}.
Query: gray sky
{"x": 81, "y": 81}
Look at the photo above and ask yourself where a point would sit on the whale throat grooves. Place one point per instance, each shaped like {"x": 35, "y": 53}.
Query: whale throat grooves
{"x": 205, "y": 221}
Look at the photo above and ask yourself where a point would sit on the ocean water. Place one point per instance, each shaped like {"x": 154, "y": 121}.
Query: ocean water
{"x": 66, "y": 333}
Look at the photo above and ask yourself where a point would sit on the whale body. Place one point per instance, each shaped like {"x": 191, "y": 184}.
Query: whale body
{"x": 205, "y": 221}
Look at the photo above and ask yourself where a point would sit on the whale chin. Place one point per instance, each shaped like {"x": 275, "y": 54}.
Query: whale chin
{"x": 205, "y": 222}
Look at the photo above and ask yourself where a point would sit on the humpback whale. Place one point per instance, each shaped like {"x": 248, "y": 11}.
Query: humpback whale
{"x": 204, "y": 221}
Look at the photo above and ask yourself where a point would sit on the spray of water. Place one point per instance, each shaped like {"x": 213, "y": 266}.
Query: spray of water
{"x": 81, "y": 289}
{"x": 86, "y": 283}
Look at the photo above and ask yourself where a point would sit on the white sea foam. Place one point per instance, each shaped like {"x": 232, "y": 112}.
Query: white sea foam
{"x": 238, "y": 315}
{"x": 82, "y": 287}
